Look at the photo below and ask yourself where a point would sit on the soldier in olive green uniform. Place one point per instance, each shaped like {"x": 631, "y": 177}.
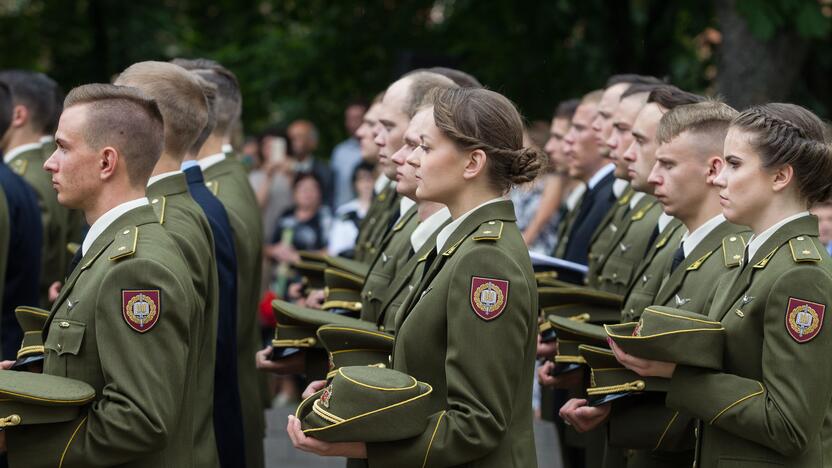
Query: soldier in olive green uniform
{"x": 141, "y": 359}
{"x": 762, "y": 408}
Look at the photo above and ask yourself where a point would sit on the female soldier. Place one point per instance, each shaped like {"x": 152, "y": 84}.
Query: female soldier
{"x": 469, "y": 329}
{"x": 771, "y": 403}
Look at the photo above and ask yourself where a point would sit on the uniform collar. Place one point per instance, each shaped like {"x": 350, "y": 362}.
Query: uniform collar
{"x": 18, "y": 150}
{"x": 426, "y": 228}
{"x": 405, "y": 204}
{"x": 575, "y": 196}
{"x": 446, "y": 232}
{"x": 618, "y": 187}
{"x": 102, "y": 223}
{"x": 227, "y": 149}
{"x": 381, "y": 183}
{"x": 603, "y": 172}
{"x": 692, "y": 239}
{"x": 664, "y": 220}
{"x": 635, "y": 198}
{"x": 209, "y": 161}
{"x": 159, "y": 177}
{"x": 758, "y": 240}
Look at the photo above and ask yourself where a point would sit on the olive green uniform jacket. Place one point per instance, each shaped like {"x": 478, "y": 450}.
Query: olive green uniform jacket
{"x": 185, "y": 221}
{"x": 228, "y": 180}
{"x": 375, "y": 224}
{"x": 4, "y": 241}
{"x": 600, "y": 243}
{"x": 771, "y": 404}
{"x": 564, "y": 228}
{"x": 54, "y": 218}
{"x": 481, "y": 369}
{"x": 664, "y": 437}
{"x": 142, "y": 415}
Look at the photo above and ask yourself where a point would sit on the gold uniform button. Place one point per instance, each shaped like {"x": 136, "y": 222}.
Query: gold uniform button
{"x": 155, "y": 200}
{"x": 64, "y": 324}
{"x": 800, "y": 238}
{"x": 733, "y": 239}
{"x": 126, "y": 231}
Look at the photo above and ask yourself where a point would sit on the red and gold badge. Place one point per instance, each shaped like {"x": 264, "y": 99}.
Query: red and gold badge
{"x": 804, "y": 319}
{"x": 326, "y": 395}
{"x": 488, "y": 297}
{"x": 141, "y": 308}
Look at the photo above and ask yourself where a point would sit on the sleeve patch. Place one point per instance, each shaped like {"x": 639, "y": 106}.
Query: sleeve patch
{"x": 488, "y": 297}
{"x": 141, "y": 308}
{"x": 804, "y": 319}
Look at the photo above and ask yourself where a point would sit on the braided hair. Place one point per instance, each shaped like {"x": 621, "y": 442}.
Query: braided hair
{"x": 477, "y": 118}
{"x": 785, "y": 133}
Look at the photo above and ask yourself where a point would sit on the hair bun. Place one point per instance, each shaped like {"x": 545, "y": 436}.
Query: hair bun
{"x": 527, "y": 164}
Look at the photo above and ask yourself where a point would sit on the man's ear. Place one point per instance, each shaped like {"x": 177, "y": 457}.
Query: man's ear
{"x": 108, "y": 161}
{"x": 781, "y": 177}
{"x": 20, "y": 116}
{"x": 715, "y": 165}
{"x": 474, "y": 163}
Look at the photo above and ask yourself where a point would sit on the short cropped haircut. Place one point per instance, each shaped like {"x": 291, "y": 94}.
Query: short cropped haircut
{"x": 633, "y": 79}
{"x": 592, "y": 97}
{"x": 709, "y": 119}
{"x": 179, "y": 97}
{"x": 58, "y": 97}
{"x": 669, "y": 96}
{"x": 5, "y": 107}
{"x": 421, "y": 83}
{"x": 35, "y": 91}
{"x": 462, "y": 79}
{"x": 229, "y": 100}
{"x": 566, "y": 109}
{"x": 126, "y": 119}
{"x": 210, "y": 92}
{"x": 639, "y": 89}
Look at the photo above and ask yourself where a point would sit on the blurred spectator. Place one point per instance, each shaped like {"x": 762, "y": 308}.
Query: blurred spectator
{"x": 302, "y": 227}
{"x": 250, "y": 156}
{"x": 823, "y": 211}
{"x": 349, "y": 215}
{"x": 347, "y": 155}
{"x": 534, "y": 203}
{"x": 303, "y": 140}
{"x": 274, "y": 192}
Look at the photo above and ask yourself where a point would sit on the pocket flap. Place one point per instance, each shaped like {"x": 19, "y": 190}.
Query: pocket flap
{"x": 65, "y": 336}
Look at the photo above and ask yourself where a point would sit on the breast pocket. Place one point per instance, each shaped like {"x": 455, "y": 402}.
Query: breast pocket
{"x": 65, "y": 339}
{"x": 618, "y": 271}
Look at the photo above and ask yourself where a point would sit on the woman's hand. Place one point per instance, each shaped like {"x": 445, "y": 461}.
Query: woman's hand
{"x": 314, "y": 386}
{"x": 584, "y": 418}
{"x": 324, "y": 449}
{"x": 643, "y": 367}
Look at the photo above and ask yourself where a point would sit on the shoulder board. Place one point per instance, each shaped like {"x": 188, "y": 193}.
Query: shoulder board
{"x": 698, "y": 263}
{"x": 19, "y": 166}
{"x": 762, "y": 263}
{"x": 400, "y": 223}
{"x": 453, "y": 248}
{"x": 124, "y": 244}
{"x": 625, "y": 197}
{"x": 643, "y": 211}
{"x": 158, "y": 204}
{"x": 733, "y": 247}
{"x": 804, "y": 250}
{"x": 491, "y": 230}
{"x": 213, "y": 186}
{"x": 664, "y": 237}
{"x": 424, "y": 257}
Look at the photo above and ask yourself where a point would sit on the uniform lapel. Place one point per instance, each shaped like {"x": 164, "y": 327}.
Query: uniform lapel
{"x": 662, "y": 241}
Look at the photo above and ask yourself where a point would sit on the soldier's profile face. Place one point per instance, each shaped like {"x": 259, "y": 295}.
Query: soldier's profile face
{"x": 641, "y": 155}
{"x": 746, "y": 186}
{"x": 582, "y": 144}
{"x": 74, "y": 165}
{"x": 682, "y": 175}
{"x": 554, "y": 145}
{"x": 392, "y": 123}
{"x": 406, "y": 173}
{"x": 603, "y": 121}
{"x": 439, "y": 164}
{"x": 369, "y": 149}
{"x": 621, "y": 134}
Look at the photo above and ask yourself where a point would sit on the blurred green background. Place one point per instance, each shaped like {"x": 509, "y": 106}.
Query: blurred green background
{"x": 308, "y": 58}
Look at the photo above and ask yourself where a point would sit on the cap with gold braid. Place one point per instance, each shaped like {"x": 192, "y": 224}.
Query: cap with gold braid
{"x": 343, "y": 291}
{"x": 29, "y": 398}
{"x": 609, "y": 380}
{"x": 592, "y": 305}
{"x": 672, "y": 335}
{"x": 348, "y": 265}
{"x": 366, "y": 404}
{"x": 351, "y": 346}
{"x": 31, "y": 320}
{"x": 570, "y": 334}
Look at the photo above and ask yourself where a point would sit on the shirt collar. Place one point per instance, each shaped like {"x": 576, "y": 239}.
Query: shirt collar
{"x": 692, "y": 239}
{"x": 153, "y": 179}
{"x": 618, "y": 187}
{"x": 404, "y": 205}
{"x": 603, "y": 172}
{"x": 209, "y": 161}
{"x": 446, "y": 231}
{"x": 46, "y": 139}
{"x": 188, "y": 164}
{"x": 664, "y": 220}
{"x": 427, "y": 227}
{"x": 758, "y": 240}
{"x": 381, "y": 183}
{"x": 227, "y": 149}
{"x": 18, "y": 150}
{"x": 634, "y": 199}
{"x": 575, "y": 196}
{"x": 102, "y": 223}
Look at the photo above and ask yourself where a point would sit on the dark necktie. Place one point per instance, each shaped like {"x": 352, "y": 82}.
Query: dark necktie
{"x": 76, "y": 259}
{"x": 653, "y": 236}
{"x": 678, "y": 256}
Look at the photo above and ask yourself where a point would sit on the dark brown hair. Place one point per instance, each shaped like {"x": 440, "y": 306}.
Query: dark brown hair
{"x": 670, "y": 96}
{"x": 566, "y": 109}
{"x": 632, "y": 79}
{"x": 476, "y": 118}
{"x": 126, "y": 119}
{"x": 785, "y": 133}
{"x": 229, "y": 101}
{"x": 36, "y": 92}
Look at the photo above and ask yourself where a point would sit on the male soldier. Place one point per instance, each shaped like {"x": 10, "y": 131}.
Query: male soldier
{"x": 20, "y": 237}
{"x": 572, "y": 189}
{"x": 228, "y": 180}
{"x": 227, "y": 413}
{"x": 688, "y": 161}
{"x": 139, "y": 359}
{"x": 185, "y": 112}
{"x": 364, "y": 133}
{"x": 32, "y": 98}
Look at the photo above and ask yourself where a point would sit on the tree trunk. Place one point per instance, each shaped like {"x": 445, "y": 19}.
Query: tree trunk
{"x": 751, "y": 70}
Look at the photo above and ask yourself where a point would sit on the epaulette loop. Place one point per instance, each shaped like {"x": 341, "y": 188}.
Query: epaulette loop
{"x": 733, "y": 247}
{"x": 125, "y": 243}
{"x": 804, "y": 250}
{"x": 492, "y": 230}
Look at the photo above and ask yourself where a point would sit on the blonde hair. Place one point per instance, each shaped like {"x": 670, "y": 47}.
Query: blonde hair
{"x": 180, "y": 99}
{"x": 710, "y": 118}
